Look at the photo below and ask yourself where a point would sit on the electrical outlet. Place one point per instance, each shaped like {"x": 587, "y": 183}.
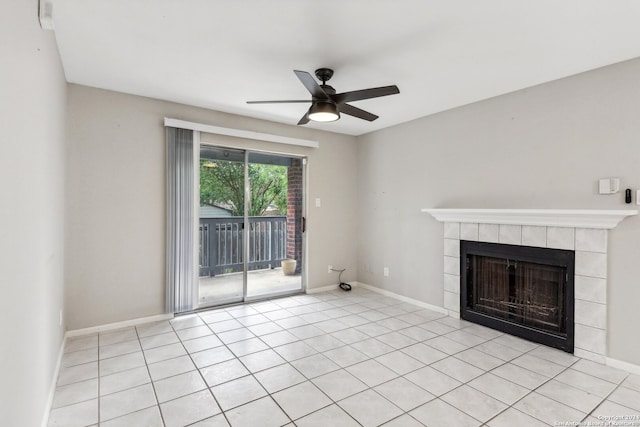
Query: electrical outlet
{"x": 330, "y": 268}
{"x": 386, "y": 272}
{"x": 60, "y": 318}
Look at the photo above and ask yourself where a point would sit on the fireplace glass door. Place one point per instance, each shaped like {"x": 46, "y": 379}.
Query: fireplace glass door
{"x": 524, "y": 291}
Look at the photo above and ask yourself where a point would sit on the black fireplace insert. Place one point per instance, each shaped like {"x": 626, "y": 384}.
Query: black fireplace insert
{"x": 520, "y": 290}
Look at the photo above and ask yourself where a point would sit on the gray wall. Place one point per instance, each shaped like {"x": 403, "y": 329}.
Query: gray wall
{"x": 543, "y": 147}
{"x": 32, "y": 109}
{"x": 116, "y": 201}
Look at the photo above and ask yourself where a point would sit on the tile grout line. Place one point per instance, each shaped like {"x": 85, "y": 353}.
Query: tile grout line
{"x": 199, "y": 372}
{"x": 307, "y": 379}
{"x": 252, "y": 374}
{"x": 310, "y": 380}
{"x": 369, "y": 358}
{"x": 344, "y": 367}
{"x": 512, "y": 406}
{"x": 286, "y": 363}
{"x": 247, "y": 368}
{"x": 618, "y": 385}
{"x": 153, "y": 386}
{"x": 602, "y": 399}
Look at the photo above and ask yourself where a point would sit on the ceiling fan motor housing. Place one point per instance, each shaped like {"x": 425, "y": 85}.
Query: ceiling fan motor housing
{"x": 324, "y": 74}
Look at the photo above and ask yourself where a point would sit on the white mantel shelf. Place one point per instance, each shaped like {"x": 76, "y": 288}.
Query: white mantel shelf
{"x": 577, "y": 218}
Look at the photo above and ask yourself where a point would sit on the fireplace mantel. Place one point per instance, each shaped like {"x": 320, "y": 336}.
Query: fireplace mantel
{"x": 577, "y": 218}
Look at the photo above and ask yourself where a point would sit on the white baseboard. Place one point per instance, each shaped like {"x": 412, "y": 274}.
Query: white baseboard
{"x": 625, "y": 366}
{"x": 52, "y": 387}
{"x": 119, "y": 325}
{"x": 390, "y": 294}
{"x": 322, "y": 289}
{"x": 589, "y": 355}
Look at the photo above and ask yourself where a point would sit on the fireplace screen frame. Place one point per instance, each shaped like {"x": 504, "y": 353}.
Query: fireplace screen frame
{"x": 546, "y": 256}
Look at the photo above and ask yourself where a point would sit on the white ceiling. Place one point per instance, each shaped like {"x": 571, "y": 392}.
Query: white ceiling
{"x": 442, "y": 54}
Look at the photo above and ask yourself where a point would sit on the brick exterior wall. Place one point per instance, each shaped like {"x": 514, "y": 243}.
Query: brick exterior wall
{"x": 294, "y": 213}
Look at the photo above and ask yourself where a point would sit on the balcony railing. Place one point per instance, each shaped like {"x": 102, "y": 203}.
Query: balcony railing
{"x": 221, "y": 244}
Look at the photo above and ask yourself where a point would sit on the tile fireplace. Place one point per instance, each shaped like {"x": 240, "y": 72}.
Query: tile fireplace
{"x": 584, "y": 232}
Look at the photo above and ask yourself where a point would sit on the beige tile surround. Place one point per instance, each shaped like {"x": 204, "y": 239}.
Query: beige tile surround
{"x": 590, "y": 246}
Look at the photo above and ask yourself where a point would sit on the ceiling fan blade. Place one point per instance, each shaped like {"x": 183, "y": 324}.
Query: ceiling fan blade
{"x": 280, "y": 102}
{"x": 310, "y": 83}
{"x": 305, "y": 119}
{"x": 356, "y": 112}
{"x": 358, "y": 95}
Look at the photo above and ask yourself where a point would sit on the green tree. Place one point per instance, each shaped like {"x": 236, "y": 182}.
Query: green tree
{"x": 222, "y": 182}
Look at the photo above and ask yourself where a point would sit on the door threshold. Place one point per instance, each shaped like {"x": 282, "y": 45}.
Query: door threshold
{"x": 248, "y": 300}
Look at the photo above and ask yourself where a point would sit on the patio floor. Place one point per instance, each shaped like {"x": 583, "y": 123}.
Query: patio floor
{"x": 225, "y": 287}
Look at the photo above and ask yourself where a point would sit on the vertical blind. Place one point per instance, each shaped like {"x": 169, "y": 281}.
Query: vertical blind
{"x": 180, "y": 220}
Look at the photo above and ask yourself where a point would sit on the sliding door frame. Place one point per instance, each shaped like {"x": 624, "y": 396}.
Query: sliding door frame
{"x": 303, "y": 278}
{"x": 246, "y": 235}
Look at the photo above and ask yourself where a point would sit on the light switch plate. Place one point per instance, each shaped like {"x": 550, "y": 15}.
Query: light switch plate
{"x": 637, "y": 197}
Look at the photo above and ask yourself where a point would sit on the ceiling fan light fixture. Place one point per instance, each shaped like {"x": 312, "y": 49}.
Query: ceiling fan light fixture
{"x": 326, "y": 104}
{"x": 323, "y": 111}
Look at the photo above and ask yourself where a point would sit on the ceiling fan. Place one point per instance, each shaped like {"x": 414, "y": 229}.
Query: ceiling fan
{"x": 326, "y": 104}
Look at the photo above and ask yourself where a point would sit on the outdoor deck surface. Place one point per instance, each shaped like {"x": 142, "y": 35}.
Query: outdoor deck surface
{"x": 227, "y": 286}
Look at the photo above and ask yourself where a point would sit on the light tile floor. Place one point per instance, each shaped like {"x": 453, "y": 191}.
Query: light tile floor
{"x": 330, "y": 359}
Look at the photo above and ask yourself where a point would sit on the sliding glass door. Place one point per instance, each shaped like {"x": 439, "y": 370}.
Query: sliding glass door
{"x": 275, "y": 216}
{"x": 250, "y": 230}
{"x": 221, "y": 229}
